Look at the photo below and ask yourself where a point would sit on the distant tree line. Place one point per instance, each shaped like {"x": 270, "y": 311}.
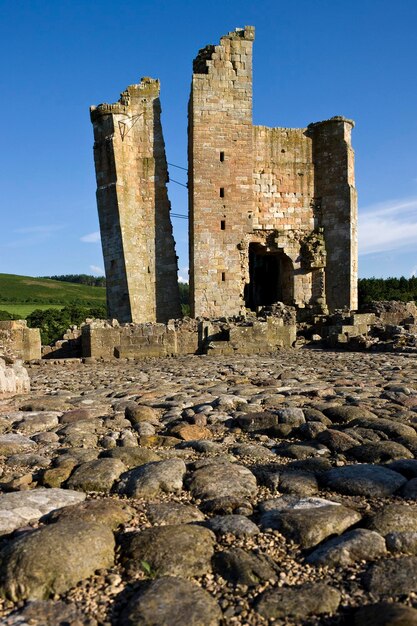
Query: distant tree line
{"x": 403, "y": 289}
{"x": 81, "y": 279}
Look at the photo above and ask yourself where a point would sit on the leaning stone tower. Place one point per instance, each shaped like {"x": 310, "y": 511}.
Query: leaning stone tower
{"x": 133, "y": 206}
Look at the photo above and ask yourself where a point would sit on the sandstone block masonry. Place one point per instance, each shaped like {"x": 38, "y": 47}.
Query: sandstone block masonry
{"x": 133, "y": 206}
{"x": 17, "y": 340}
{"x": 273, "y": 211}
{"x": 104, "y": 340}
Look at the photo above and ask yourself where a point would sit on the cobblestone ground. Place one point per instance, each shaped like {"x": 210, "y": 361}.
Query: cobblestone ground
{"x": 200, "y": 491}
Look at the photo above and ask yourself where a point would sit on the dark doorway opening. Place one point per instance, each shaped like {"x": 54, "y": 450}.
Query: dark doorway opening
{"x": 270, "y": 277}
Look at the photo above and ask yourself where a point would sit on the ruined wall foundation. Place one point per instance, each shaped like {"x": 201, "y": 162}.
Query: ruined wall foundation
{"x": 19, "y": 341}
{"x": 107, "y": 340}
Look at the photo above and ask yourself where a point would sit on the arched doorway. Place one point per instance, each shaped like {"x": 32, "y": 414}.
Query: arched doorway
{"x": 270, "y": 277}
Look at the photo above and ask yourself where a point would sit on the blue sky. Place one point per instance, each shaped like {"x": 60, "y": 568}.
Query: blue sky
{"x": 312, "y": 59}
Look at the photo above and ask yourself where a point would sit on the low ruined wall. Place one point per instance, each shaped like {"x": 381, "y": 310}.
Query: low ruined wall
{"x": 256, "y": 337}
{"x": 263, "y": 336}
{"x": 380, "y": 326}
{"x": 105, "y": 340}
{"x": 69, "y": 347}
{"x": 393, "y": 312}
{"x": 13, "y": 378}
{"x": 17, "y": 339}
{"x": 181, "y": 337}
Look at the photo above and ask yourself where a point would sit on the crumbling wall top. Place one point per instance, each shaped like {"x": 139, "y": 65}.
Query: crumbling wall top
{"x": 200, "y": 65}
{"x": 146, "y": 88}
{"x": 248, "y": 32}
{"x": 332, "y": 120}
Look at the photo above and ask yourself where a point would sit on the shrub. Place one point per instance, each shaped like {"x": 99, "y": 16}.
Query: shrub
{"x": 54, "y": 322}
{"x": 5, "y": 315}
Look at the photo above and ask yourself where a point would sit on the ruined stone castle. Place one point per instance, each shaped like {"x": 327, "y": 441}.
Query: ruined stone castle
{"x": 273, "y": 211}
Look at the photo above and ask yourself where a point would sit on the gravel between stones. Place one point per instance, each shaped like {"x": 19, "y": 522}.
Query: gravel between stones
{"x": 276, "y": 489}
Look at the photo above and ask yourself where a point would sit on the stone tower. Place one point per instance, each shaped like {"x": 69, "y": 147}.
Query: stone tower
{"x": 273, "y": 213}
{"x": 133, "y": 206}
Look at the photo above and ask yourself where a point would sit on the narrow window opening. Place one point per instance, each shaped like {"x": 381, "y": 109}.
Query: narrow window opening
{"x": 223, "y": 276}
{"x": 222, "y": 156}
{"x": 223, "y": 225}
{"x": 221, "y": 192}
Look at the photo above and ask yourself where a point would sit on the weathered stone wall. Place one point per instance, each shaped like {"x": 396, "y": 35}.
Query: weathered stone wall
{"x": 284, "y": 206}
{"x": 103, "y": 340}
{"x": 20, "y": 341}
{"x": 393, "y": 312}
{"x": 220, "y": 173}
{"x": 258, "y": 192}
{"x": 256, "y": 337}
{"x": 136, "y": 231}
{"x": 336, "y": 195}
{"x": 383, "y": 326}
{"x": 283, "y": 179}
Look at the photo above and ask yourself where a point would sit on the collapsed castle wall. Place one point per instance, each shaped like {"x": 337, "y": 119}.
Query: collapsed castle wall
{"x": 133, "y": 206}
{"x": 284, "y": 213}
{"x": 273, "y": 212}
{"x": 107, "y": 340}
{"x": 111, "y": 340}
{"x": 380, "y": 326}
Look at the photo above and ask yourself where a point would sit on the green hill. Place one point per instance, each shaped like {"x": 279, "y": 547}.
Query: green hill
{"x": 22, "y": 294}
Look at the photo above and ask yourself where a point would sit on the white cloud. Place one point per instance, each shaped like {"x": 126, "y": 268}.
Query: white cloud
{"x": 96, "y": 269}
{"x": 183, "y": 275}
{"x": 50, "y": 228}
{"x": 91, "y": 237}
{"x": 388, "y": 226}
{"x": 32, "y": 235}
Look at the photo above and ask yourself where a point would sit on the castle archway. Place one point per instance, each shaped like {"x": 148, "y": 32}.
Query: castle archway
{"x": 271, "y": 277}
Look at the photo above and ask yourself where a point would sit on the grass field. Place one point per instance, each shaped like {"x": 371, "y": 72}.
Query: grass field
{"x": 26, "y": 309}
{"x": 23, "y": 294}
